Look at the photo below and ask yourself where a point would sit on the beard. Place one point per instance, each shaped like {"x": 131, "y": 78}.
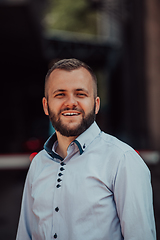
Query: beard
{"x": 65, "y": 130}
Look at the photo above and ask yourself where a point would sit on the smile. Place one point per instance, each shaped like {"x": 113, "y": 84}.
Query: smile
{"x": 70, "y": 114}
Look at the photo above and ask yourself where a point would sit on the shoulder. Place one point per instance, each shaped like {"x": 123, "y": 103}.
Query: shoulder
{"x": 115, "y": 143}
{"x": 110, "y": 146}
{"x": 39, "y": 157}
{"x": 38, "y": 163}
{"x": 121, "y": 153}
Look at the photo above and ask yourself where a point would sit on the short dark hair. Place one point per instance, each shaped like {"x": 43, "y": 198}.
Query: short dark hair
{"x": 69, "y": 65}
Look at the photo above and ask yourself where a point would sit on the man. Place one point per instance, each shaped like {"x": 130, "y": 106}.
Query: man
{"x": 85, "y": 184}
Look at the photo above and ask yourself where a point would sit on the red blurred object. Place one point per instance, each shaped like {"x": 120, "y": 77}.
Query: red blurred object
{"x": 32, "y": 156}
{"x": 137, "y": 152}
{"x": 33, "y": 144}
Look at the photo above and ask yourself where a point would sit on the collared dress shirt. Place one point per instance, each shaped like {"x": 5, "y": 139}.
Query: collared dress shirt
{"x": 100, "y": 191}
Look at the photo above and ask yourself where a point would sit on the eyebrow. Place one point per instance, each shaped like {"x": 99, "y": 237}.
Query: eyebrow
{"x": 59, "y": 90}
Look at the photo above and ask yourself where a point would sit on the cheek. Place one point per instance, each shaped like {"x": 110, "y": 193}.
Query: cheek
{"x": 87, "y": 106}
{"x": 54, "y": 105}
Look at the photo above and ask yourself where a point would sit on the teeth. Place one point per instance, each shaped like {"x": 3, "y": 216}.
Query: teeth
{"x": 70, "y": 114}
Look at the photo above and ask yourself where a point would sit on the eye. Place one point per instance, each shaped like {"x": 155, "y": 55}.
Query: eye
{"x": 81, "y": 94}
{"x": 59, "y": 95}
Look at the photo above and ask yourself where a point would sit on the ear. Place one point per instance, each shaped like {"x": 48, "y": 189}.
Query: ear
{"x": 45, "y": 105}
{"x": 97, "y": 105}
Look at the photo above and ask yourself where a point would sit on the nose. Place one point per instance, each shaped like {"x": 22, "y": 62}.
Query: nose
{"x": 71, "y": 101}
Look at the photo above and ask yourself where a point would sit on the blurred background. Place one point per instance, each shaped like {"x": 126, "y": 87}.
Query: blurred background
{"x": 119, "y": 39}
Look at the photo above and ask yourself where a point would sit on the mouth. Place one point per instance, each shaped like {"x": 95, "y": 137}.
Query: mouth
{"x": 71, "y": 113}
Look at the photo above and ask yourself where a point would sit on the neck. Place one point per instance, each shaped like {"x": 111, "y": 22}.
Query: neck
{"x": 63, "y": 143}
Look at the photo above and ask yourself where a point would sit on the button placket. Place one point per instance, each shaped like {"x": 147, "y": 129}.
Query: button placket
{"x": 58, "y": 186}
{"x": 60, "y": 174}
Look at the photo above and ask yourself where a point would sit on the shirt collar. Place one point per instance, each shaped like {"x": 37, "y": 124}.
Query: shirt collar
{"x": 81, "y": 141}
{"x": 49, "y": 144}
{"x": 84, "y": 140}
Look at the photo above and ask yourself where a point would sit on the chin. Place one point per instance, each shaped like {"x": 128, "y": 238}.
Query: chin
{"x": 72, "y": 124}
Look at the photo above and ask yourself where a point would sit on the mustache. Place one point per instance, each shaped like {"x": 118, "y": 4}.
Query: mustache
{"x": 71, "y": 108}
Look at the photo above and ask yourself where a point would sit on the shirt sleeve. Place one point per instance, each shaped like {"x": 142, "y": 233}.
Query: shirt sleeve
{"x": 25, "y": 222}
{"x": 133, "y": 198}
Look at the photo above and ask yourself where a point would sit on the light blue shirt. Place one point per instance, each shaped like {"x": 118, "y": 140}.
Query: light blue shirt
{"x": 100, "y": 191}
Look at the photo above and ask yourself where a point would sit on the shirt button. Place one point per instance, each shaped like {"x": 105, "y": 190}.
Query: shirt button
{"x": 60, "y": 174}
{"x": 62, "y": 164}
{"x": 57, "y": 209}
{"x": 59, "y": 180}
{"x": 58, "y": 186}
{"x": 62, "y": 169}
{"x": 55, "y": 235}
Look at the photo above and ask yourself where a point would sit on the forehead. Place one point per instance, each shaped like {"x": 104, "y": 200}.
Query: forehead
{"x": 78, "y": 78}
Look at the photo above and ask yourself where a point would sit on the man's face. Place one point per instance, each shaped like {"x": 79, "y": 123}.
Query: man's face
{"x": 70, "y": 101}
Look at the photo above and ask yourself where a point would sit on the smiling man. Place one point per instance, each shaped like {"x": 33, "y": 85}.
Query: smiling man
{"x": 84, "y": 184}
{"x": 71, "y": 102}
